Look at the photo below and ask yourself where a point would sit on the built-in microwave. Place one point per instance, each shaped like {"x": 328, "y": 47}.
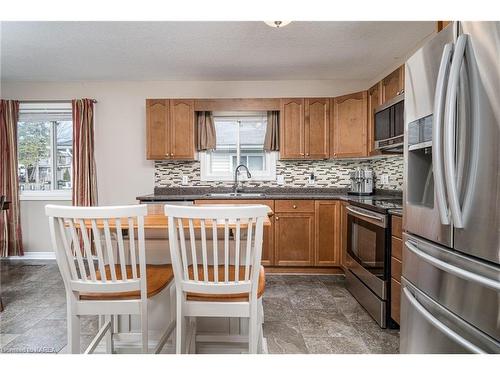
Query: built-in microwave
{"x": 389, "y": 125}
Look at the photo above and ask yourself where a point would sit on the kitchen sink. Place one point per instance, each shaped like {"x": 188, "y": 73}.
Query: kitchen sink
{"x": 232, "y": 195}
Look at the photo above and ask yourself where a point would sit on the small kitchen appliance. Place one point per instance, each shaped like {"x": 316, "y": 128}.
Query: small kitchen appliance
{"x": 361, "y": 182}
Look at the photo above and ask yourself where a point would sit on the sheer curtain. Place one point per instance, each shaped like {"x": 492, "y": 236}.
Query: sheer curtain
{"x": 10, "y": 221}
{"x": 84, "y": 169}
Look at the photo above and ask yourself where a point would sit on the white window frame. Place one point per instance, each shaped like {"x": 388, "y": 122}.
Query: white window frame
{"x": 54, "y": 194}
{"x": 269, "y": 174}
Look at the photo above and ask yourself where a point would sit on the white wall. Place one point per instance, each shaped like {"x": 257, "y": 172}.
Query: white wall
{"x": 122, "y": 169}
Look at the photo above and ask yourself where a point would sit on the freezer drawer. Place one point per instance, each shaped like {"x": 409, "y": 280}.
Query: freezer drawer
{"x": 467, "y": 287}
{"x": 427, "y": 327}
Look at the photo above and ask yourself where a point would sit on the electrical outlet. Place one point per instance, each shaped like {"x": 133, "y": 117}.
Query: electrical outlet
{"x": 311, "y": 180}
{"x": 280, "y": 180}
{"x": 384, "y": 179}
{"x": 184, "y": 180}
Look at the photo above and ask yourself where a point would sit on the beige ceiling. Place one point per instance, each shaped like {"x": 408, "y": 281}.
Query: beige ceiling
{"x": 62, "y": 51}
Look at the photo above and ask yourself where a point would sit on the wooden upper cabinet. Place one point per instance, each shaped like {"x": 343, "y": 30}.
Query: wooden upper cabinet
{"x": 170, "y": 129}
{"x": 374, "y": 100}
{"x": 157, "y": 129}
{"x": 393, "y": 84}
{"x": 327, "y": 228}
{"x": 348, "y": 126}
{"x": 182, "y": 129}
{"x": 292, "y": 129}
{"x": 317, "y": 128}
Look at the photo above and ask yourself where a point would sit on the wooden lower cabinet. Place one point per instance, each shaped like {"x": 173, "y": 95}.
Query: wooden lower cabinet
{"x": 395, "y": 301}
{"x": 343, "y": 233}
{"x": 327, "y": 233}
{"x": 294, "y": 238}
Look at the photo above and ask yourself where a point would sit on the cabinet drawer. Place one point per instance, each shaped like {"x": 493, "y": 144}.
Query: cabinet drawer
{"x": 396, "y": 247}
{"x": 397, "y": 226}
{"x": 395, "y": 301}
{"x": 396, "y": 267}
{"x": 294, "y": 206}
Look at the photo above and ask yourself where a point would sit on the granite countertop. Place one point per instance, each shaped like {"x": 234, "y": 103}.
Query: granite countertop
{"x": 195, "y": 193}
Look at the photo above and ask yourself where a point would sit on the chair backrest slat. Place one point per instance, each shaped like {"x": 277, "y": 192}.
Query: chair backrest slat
{"x": 88, "y": 251}
{"x": 249, "y": 249}
{"x": 76, "y": 233}
{"x": 109, "y": 250}
{"x": 182, "y": 241}
{"x": 237, "y": 247}
{"x": 68, "y": 254}
{"x": 236, "y": 268}
{"x": 76, "y": 249}
{"x": 98, "y": 249}
{"x": 226, "y": 250}
{"x": 215, "y": 250}
{"x": 121, "y": 250}
{"x": 133, "y": 256}
{"x": 203, "y": 230}
{"x": 192, "y": 241}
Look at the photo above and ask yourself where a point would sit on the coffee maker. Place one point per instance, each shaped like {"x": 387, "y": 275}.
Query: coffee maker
{"x": 361, "y": 182}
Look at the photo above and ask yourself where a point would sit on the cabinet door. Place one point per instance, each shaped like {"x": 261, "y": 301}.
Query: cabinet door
{"x": 182, "y": 129}
{"x": 294, "y": 239}
{"x": 157, "y": 134}
{"x": 393, "y": 84}
{"x": 343, "y": 233}
{"x": 349, "y": 125}
{"x": 292, "y": 129}
{"x": 317, "y": 128}
{"x": 374, "y": 100}
{"x": 267, "y": 258}
{"x": 327, "y": 229}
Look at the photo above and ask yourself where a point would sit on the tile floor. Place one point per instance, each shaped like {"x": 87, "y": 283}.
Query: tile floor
{"x": 303, "y": 314}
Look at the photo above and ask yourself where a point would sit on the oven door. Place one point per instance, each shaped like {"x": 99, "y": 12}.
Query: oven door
{"x": 367, "y": 257}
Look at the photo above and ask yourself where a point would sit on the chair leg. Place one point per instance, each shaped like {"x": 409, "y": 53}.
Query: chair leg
{"x": 253, "y": 329}
{"x": 144, "y": 327}
{"x": 73, "y": 332}
{"x": 260, "y": 331}
{"x": 109, "y": 335}
{"x": 180, "y": 327}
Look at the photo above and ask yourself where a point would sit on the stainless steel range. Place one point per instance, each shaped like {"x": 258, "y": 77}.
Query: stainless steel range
{"x": 450, "y": 300}
{"x": 368, "y": 255}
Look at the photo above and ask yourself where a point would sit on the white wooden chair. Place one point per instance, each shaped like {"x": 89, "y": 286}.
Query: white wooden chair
{"x": 120, "y": 284}
{"x": 221, "y": 279}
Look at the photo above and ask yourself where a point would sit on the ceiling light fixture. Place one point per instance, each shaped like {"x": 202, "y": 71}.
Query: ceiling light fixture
{"x": 277, "y": 24}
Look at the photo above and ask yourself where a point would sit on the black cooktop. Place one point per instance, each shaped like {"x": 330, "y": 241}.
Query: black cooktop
{"x": 381, "y": 205}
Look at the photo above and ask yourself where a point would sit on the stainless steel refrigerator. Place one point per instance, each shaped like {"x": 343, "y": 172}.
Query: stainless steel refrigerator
{"x": 450, "y": 300}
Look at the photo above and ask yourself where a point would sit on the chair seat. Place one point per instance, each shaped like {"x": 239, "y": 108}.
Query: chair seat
{"x": 239, "y": 297}
{"x": 157, "y": 277}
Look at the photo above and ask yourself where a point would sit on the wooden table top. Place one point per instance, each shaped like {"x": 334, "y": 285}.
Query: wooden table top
{"x": 158, "y": 221}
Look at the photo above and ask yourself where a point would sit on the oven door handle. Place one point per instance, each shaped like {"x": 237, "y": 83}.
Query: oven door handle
{"x": 364, "y": 214}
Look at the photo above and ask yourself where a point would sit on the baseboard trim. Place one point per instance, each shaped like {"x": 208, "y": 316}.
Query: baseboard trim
{"x": 35, "y": 255}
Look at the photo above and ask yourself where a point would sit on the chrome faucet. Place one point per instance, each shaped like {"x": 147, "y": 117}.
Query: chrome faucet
{"x": 236, "y": 173}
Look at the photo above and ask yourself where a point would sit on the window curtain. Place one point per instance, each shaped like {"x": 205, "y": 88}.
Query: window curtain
{"x": 11, "y": 243}
{"x": 272, "y": 139}
{"x": 205, "y": 132}
{"x": 84, "y": 169}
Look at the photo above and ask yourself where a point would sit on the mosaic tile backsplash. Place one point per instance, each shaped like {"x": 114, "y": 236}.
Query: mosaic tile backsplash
{"x": 328, "y": 173}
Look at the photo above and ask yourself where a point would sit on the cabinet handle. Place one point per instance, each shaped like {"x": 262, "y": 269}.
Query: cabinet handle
{"x": 294, "y": 206}
{"x": 301, "y": 154}
{"x": 307, "y": 154}
{"x": 277, "y": 217}
{"x": 171, "y": 154}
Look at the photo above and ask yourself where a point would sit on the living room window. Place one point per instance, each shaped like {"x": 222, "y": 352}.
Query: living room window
{"x": 240, "y": 140}
{"x": 45, "y": 150}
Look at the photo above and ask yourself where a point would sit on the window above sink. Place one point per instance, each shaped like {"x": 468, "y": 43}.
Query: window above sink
{"x": 240, "y": 140}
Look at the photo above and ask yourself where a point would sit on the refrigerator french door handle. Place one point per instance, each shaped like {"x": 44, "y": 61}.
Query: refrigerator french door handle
{"x": 449, "y": 131}
{"x": 437, "y": 133}
{"x": 454, "y": 270}
{"x": 439, "y": 325}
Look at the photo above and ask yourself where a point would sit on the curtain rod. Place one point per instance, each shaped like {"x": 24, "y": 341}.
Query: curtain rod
{"x": 50, "y": 101}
